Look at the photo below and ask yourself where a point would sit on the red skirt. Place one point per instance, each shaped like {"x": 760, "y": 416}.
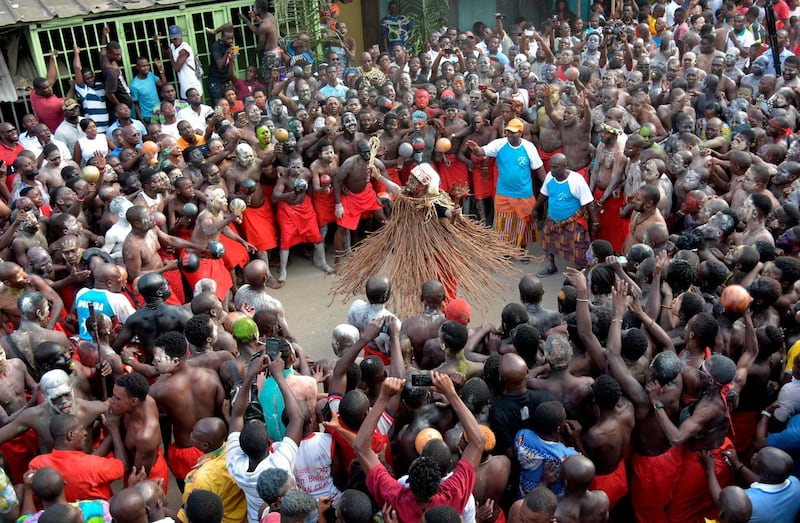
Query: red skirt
{"x": 298, "y": 224}
{"x": 214, "y": 270}
{"x": 357, "y": 206}
{"x": 258, "y": 227}
{"x": 454, "y": 175}
{"x": 612, "y": 227}
{"x": 324, "y": 207}
{"x": 484, "y": 185}
{"x": 182, "y": 460}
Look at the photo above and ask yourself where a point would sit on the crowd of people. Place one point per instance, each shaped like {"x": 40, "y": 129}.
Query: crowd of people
{"x": 651, "y": 150}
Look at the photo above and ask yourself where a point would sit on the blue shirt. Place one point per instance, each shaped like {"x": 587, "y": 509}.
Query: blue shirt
{"x": 145, "y": 92}
{"x": 533, "y": 453}
{"x": 514, "y": 166}
{"x": 565, "y": 198}
{"x": 272, "y": 404}
{"x": 775, "y": 503}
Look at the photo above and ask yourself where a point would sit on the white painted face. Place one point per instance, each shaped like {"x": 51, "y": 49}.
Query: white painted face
{"x": 327, "y": 153}
{"x": 162, "y": 362}
{"x": 57, "y": 391}
{"x": 350, "y": 123}
{"x": 244, "y": 155}
{"x": 216, "y": 198}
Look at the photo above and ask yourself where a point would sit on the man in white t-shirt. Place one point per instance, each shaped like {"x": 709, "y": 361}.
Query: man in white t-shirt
{"x": 248, "y": 449}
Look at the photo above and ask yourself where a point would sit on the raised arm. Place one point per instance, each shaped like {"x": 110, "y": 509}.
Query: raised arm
{"x": 348, "y": 358}
{"x": 584, "y": 318}
{"x": 363, "y": 443}
{"x": 476, "y": 439}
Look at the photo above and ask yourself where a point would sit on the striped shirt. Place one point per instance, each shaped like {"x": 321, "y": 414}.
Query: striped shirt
{"x": 93, "y": 100}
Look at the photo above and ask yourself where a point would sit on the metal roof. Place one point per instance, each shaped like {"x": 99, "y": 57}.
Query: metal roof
{"x": 30, "y": 11}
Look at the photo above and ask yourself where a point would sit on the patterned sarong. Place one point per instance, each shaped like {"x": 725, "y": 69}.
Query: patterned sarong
{"x": 568, "y": 239}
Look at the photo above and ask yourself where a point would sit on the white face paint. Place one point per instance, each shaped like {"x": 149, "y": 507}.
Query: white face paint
{"x": 244, "y": 155}
{"x": 350, "y": 123}
{"x": 162, "y": 362}
{"x": 216, "y": 199}
{"x": 57, "y": 391}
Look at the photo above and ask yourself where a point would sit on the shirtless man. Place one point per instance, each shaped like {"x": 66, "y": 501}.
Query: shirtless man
{"x": 422, "y": 327}
{"x": 268, "y": 45}
{"x": 754, "y": 214}
{"x": 254, "y": 294}
{"x": 210, "y": 223}
{"x": 14, "y": 381}
{"x": 452, "y": 126}
{"x": 706, "y": 428}
{"x": 202, "y": 333}
{"x": 296, "y": 215}
{"x": 572, "y": 391}
{"x": 324, "y": 168}
{"x": 606, "y": 175}
{"x": 574, "y": 125}
{"x": 391, "y": 138}
{"x": 258, "y": 222}
{"x": 28, "y": 235}
{"x": 579, "y": 504}
{"x": 345, "y": 145}
{"x": 59, "y": 399}
{"x": 185, "y": 393}
{"x": 141, "y": 246}
{"x": 15, "y": 283}
{"x": 645, "y": 214}
{"x": 140, "y": 426}
{"x": 154, "y": 319}
{"x": 116, "y": 234}
{"x": 483, "y": 181}
{"x": 655, "y": 460}
{"x": 354, "y": 194}
{"x": 34, "y": 310}
{"x": 179, "y": 223}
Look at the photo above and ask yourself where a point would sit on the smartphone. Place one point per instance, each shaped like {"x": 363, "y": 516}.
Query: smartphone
{"x": 529, "y": 33}
{"x": 421, "y": 380}
{"x": 385, "y": 327}
{"x": 326, "y": 412}
{"x": 272, "y": 347}
{"x": 218, "y": 110}
{"x": 282, "y": 73}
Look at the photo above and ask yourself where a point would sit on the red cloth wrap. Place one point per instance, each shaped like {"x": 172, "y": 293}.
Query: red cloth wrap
{"x": 19, "y": 452}
{"x": 159, "y": 470}
{"x": 182, "y": 460}
{"x": 653, "y": 480}
{"x": 691, "y": 500}
{"x": 612, "y": 227}
{"x": 357, "y": 206}
{"x": 215, "y": 270}
{"x": 236, "y": 254}
{"x": 615, "y": 485}
{"x": 455, "y": 174}
{"x": 484, "y": 187}
{"x": 325, "y": 207}
{"x": 371, "y": 352}
{"x": 298, "y": 224}
{"x": 545, "y": 156}
{"x": 744, "y": 430}
{"x": 258, "y": 227}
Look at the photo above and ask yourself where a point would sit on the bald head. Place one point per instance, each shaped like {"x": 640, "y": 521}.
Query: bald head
{"x": 48, "y": 484}
{"x": 128, "y": 506}
{"x": 772, "y": 465}
{"x": 578, "y": 472}
{"x": 513, "y": 369}
{"x": 378, "y": 289}
{"x": 531, "y": 289}
{"x": 433, "y": 292}
{"x": 153, "y": 494}
{"x": 106, "y": 275}
{"x": 255, "y": 273}
{"x": 734, "y": 505}
{"x": 209, "y": 433}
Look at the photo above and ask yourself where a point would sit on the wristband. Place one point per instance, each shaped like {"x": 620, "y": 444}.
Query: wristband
{"x": 584, "y": 300}
{"x": 766, "y": 413}
{"x": 658, "y": 405}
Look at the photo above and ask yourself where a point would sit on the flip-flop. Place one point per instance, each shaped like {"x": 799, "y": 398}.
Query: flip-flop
{"x": 547, "y": 272}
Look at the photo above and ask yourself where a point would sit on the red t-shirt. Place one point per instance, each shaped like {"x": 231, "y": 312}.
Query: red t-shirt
{"x": 243, "y": 89}
{"x": 86, "y": 476}
{"x": 454, "y": 491}
{"x": 781, "y": 13}
{"x": 49, "y": 110}
{"x": 8, "y": 155}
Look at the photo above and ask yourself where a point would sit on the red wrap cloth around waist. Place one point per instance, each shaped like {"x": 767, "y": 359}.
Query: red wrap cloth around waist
{"x": 159, "y": 470}
{"x": 484, "y": 184}
{"x": 691, "y": 500}
{"x": 615, "y": 485}
{"x": 182, "y": 459}
{"x": 236, "y": 254}
{"x": 298, "y": 224}
{"x": 613, "y": 227}
{"x": 258, "y": 227}
{"x": 452, "y": 175}
{"x": 372, "y": 352}
{"x": 325, "y": 207}
{"x": 522, "y": 207}
{"x": 214, "y": 270}
{"x": 653, "y": 480}
{"x": 547, "y": 156}
{"x": 356, "y": 206}
{"x": 19, "y": 452}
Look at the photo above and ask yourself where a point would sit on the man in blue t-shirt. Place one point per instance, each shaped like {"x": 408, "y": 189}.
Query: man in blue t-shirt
{"x": 516, "y": 158}
{"x": 571, "y": 214}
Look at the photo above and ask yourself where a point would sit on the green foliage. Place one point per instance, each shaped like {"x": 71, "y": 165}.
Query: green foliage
{"x": 425, "y": 14}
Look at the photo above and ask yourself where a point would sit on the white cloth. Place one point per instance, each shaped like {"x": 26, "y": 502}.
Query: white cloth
{"x": 312, "y": 470}
{"x": 187, "y": 78}
{"x": 283, "y": 455}
{"x": 197, "y": 121}
{"x": 362, "y": 313}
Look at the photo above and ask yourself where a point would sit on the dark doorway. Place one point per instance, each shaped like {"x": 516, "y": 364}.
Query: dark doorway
{"x": 534, "y": 12}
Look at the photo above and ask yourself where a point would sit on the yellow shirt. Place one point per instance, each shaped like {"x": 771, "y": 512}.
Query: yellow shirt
{"x": 211, "y": 474}
{"x": 793, "y": 352}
